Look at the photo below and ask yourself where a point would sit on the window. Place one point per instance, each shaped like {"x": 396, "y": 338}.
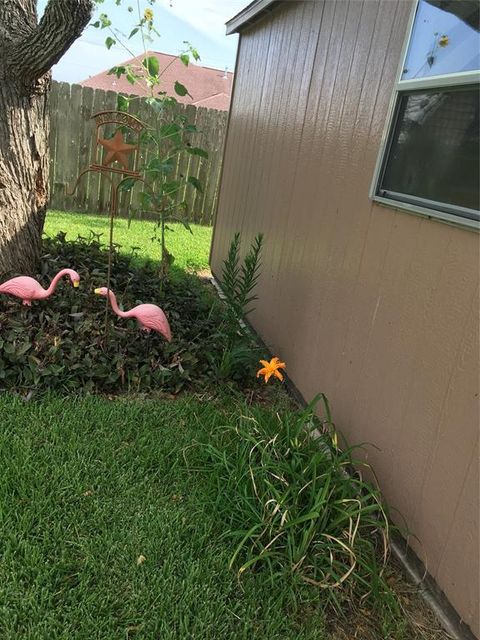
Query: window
{"x": 430, "y": 162}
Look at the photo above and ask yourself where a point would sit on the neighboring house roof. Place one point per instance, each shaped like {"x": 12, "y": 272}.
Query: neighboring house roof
{"x": 208, "y": 87}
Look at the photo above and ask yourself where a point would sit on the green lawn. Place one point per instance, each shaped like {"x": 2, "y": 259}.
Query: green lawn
{"x": 189, "y": 249}
{"x": 91, "y": 485}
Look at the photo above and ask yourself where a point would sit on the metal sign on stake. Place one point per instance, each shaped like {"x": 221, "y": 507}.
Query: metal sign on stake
{"x": 114, "y": 156}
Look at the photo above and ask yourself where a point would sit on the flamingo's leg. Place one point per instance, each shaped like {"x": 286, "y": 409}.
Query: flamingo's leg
{"x": 143, "y": 328}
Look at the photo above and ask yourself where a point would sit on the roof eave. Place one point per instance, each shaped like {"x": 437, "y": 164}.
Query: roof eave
{"x": 253, "y": 12}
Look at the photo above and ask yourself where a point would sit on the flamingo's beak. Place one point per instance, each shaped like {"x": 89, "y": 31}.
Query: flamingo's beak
{"x": 76, "y": 283}
{"x": 97, "y": 291}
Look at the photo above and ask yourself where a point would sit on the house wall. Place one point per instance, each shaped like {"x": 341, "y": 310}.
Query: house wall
{"x": 376, "y": 307}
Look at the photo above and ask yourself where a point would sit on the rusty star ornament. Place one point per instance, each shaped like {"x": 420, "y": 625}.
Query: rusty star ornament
{"x": 117, "y": 149}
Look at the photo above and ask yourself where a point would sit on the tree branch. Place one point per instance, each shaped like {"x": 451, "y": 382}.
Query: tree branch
{"x": 61, "y": 24}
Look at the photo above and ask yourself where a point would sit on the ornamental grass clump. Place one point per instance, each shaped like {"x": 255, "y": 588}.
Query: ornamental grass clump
{"x": 296, "y": 506}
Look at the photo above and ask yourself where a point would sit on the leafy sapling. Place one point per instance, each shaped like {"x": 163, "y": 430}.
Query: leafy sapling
{"x": 170, "y": 136}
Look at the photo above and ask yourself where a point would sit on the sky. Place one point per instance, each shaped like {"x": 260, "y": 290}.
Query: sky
{"x": 201, "y": 22}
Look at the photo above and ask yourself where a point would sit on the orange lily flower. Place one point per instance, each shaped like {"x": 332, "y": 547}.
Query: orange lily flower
{"x": 271, "y": 368}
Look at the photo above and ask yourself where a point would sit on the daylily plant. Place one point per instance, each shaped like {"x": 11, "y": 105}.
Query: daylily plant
{"x": 271, "y": 368}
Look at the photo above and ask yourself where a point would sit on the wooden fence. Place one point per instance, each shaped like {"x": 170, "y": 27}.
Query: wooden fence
{"x": 72, "y": 137}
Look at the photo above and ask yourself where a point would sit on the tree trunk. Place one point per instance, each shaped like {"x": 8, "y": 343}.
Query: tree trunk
{"x": 28, "y": 50}
{"x": 24, "y": 165}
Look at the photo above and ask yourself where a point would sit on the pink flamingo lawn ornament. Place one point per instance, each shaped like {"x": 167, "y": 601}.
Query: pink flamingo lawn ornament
{"x": 29, "y": 289}
{"x": 149, "y": 316}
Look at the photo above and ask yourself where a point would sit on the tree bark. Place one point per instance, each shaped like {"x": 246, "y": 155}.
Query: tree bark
{"x": 27, "y": 52}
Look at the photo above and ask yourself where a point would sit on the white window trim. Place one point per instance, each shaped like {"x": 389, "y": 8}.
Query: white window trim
{"x": 461, "y": 78}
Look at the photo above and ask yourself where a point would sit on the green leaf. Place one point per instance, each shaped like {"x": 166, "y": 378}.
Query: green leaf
{"x": 180, "y": 89}
{"x": 167, "y": 100}
{"x": 197, "y": 151}
{"x": 196, "y": 183}
{"x": 151, "y": 65}
{"x": 187, "y": 226}
{"x": 133, "y": 32}
{"x": 160, "y": 166}
{"x": 109, "y": 42}
{"x": 104, "y": 20}
{"x": 182, "y": 221}
{"x": 171, "y": 131}
{"x": 122, "y": 102}
{"x": 193, "y": 51}
{"x": 118, "y": 71}
{"x": 22, "y": 349}
{"x": 190, "y": 128}
{"x": 127, "y": 184}
{"x": 145, "y": 199}
{"x": 131, "y": 77}
{"x": 185, "y": 58}
{"x": 157, "y": 104}
{"x": 170, "y": 188}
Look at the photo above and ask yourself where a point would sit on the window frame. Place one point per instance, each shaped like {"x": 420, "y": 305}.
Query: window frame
{"x": 405, "y": 201}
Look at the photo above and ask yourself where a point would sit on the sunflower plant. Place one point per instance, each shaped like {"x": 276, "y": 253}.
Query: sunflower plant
{"x": 169, "y": 136}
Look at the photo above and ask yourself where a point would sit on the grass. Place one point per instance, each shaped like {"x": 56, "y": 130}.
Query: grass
{"x": 190, "y": 250}
{"x": 89, "y": 486}
{"x": 107, "y": 532}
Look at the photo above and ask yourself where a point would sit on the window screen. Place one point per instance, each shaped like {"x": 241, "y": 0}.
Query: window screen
{"x": 434, "y": 148}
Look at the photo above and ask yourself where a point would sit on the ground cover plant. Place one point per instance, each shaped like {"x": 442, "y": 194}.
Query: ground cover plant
{"x": 60, "y": 344}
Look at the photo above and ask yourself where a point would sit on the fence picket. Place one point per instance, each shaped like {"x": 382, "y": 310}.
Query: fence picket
{"x": 71, "y": 145}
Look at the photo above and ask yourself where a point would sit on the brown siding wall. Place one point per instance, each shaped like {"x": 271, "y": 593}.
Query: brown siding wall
{"x": 376, "y": 307}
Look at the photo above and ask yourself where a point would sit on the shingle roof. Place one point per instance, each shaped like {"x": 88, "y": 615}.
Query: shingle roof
{"x": 209, "y": 87}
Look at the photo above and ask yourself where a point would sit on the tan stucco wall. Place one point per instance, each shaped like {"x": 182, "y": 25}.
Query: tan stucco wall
{"x": 378, "y": 308}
